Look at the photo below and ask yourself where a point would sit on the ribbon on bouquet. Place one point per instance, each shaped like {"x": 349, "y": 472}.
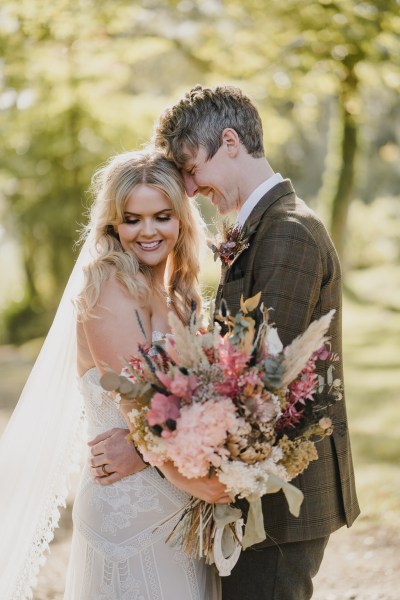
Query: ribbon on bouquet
{"x": 254, "y": 530}
{"x": 227, "y": 538}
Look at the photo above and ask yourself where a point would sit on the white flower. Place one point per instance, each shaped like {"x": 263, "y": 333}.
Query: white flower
{"x": 273, "y": 341}
{"x": 244, "y": 480}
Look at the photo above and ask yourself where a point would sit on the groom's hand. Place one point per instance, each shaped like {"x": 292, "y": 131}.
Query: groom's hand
{"x": 117, "y": 454}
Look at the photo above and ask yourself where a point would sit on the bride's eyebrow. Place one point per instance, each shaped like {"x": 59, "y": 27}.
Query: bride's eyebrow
{"x": 132, "y": 214}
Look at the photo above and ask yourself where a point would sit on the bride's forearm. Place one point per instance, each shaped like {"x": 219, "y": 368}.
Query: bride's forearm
{"x": 206, "y": 488}
{"x": 125, "y": 407}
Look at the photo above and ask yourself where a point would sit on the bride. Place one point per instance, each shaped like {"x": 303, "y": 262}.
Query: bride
{"x": 141, "y": 256}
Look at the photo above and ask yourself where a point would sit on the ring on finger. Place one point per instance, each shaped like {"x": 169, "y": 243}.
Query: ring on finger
{"x": 106, "y": 473}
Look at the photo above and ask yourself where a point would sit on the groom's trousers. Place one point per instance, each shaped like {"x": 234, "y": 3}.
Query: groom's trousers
{"x": 282, "y": 572}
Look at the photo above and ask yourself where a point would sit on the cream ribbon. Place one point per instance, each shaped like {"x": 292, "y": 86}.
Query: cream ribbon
{"x": 254, "y": 531}
{"x": 227, "y": 545}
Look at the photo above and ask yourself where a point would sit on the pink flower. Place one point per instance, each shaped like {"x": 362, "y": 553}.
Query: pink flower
{"x": 251, "y": 378}
{"x": 262, "y": 409}
{"x": 229, "y": 387}
{"x": 321, "y": 354}
{"x": 162, "y": 409}
{"x": 151, "y": 457}
{"x": 179, "y": 384}
{"x": 167, "y": 433}
{"x": 303, "y": 389}
{"x": 200, "y": 435}
{"x": 232, "y": 361}
{"x": 183, "y": 385}
{"x": 165, "y": 380}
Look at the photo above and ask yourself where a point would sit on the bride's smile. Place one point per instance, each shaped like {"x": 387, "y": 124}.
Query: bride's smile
{"x": 150, "y": 228}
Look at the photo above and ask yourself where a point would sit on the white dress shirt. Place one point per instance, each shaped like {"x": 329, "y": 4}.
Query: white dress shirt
{"x": 256, "y": 196}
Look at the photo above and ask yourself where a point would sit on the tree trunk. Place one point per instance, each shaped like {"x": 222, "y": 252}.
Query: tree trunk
{"x": 31, "y": 290}
{"x": 342, "y": 194}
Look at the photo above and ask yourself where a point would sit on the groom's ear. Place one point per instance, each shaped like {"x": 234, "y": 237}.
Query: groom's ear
{"x": 230, "y": 140}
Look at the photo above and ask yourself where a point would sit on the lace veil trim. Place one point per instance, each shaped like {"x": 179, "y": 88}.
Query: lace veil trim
{"x": 39, "y": 449}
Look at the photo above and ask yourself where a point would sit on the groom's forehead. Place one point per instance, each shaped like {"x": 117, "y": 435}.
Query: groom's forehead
{"x": 188, "y": 157}
{"x": 188, "y": 153}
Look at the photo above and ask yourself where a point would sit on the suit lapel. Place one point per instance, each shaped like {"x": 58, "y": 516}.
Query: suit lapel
{"x": 279, "y": 191}
{"x": 284, "y": 188}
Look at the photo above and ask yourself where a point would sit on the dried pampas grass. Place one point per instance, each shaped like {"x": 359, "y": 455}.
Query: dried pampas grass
{"x": 300, "y": 350}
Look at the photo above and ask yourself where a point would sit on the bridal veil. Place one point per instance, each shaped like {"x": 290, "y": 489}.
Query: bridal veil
{"x": 39, "y": 448}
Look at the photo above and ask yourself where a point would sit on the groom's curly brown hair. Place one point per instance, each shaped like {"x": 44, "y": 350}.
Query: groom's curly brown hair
{"x": 200, "y": 117}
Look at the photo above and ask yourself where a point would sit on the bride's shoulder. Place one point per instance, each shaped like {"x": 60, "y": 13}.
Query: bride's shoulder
{"x": 115, "y": 297}
{"x": 115, "y": 286}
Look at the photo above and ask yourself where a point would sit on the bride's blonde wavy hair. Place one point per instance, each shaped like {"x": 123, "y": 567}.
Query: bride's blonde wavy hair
{"x": 111, "y": 186}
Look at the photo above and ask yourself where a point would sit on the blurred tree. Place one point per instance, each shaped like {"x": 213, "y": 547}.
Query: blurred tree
{"x": 81, "y": 81}
{"x": 70, "y": 98}
{"x": 337, "y": 48}
{"x": 44, "y": 167}
{"x": 300, "y": 60}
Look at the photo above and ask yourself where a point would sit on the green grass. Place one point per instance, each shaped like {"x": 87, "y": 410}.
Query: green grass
{"x": 372, "y": 377}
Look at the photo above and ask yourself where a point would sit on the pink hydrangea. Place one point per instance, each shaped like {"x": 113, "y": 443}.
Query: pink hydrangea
{"x": 200, "y": 435}
{"x": 155, "y": 459}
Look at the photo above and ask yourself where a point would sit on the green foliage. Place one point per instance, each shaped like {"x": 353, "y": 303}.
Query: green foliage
{"x": 23, "y": 321}
{"x": 374, "y": 234}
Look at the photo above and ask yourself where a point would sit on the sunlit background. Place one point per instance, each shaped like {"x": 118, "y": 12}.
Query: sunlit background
{"x": 82, "y": 80}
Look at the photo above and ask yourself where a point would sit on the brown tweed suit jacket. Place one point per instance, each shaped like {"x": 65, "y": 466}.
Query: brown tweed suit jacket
{"x": 292, "y": 261}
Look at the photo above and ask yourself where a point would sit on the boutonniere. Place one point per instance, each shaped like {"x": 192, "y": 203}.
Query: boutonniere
{"x": 235, "y": 240}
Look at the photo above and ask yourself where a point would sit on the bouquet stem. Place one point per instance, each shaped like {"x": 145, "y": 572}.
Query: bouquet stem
{"x": 212, "y": 531}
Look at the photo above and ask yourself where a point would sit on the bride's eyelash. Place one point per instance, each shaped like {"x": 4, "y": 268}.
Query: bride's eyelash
{"x": 160, "y": 218}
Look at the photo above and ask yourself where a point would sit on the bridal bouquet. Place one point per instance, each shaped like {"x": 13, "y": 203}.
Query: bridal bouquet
{"x": 240, "y": 405}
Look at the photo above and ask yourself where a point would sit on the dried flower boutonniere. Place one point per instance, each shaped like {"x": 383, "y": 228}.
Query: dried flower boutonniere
{"x": 235, "y": 240}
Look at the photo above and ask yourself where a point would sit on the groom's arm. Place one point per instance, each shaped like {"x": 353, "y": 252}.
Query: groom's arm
{"x": 113, "y": 449}
{"x": 288, "y": 271}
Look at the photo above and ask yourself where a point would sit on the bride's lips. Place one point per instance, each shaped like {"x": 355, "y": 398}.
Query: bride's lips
{"x": 150, "y": 246}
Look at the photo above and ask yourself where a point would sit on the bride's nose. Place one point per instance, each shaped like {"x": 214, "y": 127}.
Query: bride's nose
{"x": 148, "y": 227}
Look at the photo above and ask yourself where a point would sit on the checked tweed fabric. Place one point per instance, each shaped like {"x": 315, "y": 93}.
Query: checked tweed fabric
{"x": 292, "y": 261}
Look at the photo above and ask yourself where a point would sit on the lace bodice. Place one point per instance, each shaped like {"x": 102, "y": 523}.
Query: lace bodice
{"x": 101, "y": 408}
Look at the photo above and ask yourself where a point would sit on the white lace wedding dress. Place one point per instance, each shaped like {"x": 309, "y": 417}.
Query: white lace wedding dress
{"x": 118, "y": 547}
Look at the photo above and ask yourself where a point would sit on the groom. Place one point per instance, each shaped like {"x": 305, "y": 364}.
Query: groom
{"x": 215, "y": 136}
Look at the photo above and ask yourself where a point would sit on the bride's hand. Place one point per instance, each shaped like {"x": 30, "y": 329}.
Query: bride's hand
{"x": 117, "y": 454}
{"x": 206, "y": 488}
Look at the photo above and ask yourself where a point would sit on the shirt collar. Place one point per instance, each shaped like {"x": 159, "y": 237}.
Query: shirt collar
{"x": 256, "y": 196}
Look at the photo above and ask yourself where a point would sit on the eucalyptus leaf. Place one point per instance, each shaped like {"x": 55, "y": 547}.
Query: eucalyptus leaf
{"x": 125, "y": 386}
{"x": 110, "y": 381}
